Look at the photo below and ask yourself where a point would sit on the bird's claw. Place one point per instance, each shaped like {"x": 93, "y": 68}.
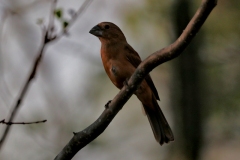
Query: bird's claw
{"x": 107, "y": 104}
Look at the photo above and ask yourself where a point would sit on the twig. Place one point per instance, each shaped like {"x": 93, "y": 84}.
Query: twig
{"x": 51, "y": 15}
{"x": 81, "y": 139}
{"x": 10, "y": 123}
{"x": 23, "y": 92}
{"x": 48, "y": 36}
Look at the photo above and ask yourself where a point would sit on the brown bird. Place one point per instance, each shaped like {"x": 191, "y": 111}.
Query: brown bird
{"x": 120, "y": 61}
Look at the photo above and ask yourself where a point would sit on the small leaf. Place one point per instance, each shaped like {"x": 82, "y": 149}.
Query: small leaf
{"x": 58, "y": 13}
{"x": 65, "y": 24}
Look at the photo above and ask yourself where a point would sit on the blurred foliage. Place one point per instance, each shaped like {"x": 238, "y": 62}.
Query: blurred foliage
{"x": 220, "y": 52}
{"x": 219, "y": 57}
{"x": 58, "y": 13}
{"x": 145, "y": 21}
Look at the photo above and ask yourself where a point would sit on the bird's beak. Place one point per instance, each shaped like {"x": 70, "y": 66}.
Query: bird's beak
{"x": 97, "y": 31}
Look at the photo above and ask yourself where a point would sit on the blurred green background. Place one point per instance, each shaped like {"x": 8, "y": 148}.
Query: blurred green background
{"x": 199, "y": 90}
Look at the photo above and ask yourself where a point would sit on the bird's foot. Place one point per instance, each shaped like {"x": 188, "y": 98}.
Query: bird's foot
{"x": 107, "y": 104}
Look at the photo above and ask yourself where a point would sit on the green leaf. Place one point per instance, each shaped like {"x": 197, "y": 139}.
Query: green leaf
{"x": 65, "y": 24}
{"x": 58, "y": 13}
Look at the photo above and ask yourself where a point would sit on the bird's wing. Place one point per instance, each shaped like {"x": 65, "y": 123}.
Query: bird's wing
{"x": 135, "y": 60}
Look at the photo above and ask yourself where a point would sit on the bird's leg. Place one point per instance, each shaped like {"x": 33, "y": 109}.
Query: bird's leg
{"x": 107, "y": 104}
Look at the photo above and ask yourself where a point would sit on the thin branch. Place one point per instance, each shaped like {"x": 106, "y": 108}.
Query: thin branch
{"x": 23, "y": 123}
{"x": 23, "y": 93}
{"x": 48, "y": 36}
{"x": 81, "y": 139}
{"x": 51, "y": 15}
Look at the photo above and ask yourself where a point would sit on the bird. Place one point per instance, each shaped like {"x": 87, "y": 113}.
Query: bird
{"x": 120, "y": 61}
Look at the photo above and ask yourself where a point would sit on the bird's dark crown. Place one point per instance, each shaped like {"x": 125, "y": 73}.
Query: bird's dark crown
{"x": 107, "y": 31}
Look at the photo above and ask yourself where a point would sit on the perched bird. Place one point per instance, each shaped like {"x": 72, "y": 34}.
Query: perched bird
{"x": 120, "y": 61}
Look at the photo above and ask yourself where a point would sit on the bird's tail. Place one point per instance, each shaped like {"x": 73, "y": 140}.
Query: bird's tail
{"x": 161, "y": 129}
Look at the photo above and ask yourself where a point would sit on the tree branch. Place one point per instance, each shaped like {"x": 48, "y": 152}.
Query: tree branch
{"x": 23, "y": 123}
{"x": 48, "y": 36}
{"x": 81, "y": 139}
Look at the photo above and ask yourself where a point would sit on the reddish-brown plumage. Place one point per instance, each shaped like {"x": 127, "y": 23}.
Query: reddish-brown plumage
{"x": 120, "y": 61}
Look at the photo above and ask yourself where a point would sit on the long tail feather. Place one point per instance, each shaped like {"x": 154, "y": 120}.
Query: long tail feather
{"x": 161, "y": 129}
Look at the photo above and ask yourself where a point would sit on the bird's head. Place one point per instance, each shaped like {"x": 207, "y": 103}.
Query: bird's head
{"x": 107, "y": 31}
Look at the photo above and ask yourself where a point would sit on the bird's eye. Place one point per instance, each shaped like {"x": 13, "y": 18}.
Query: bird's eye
{"x": 106, "y": 26}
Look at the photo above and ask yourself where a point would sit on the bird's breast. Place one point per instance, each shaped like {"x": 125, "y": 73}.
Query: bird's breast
{"x": 116, "y": 65}
{"x": 115, "y": 73}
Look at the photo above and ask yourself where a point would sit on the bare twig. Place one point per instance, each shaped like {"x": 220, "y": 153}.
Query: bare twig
{"x": 23, "y": 123}
{"x": 81, "y": 139}
{"x": 48, "y": 36}
{"x": 51, "y": 15}
{"x": 23, "y": 92}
